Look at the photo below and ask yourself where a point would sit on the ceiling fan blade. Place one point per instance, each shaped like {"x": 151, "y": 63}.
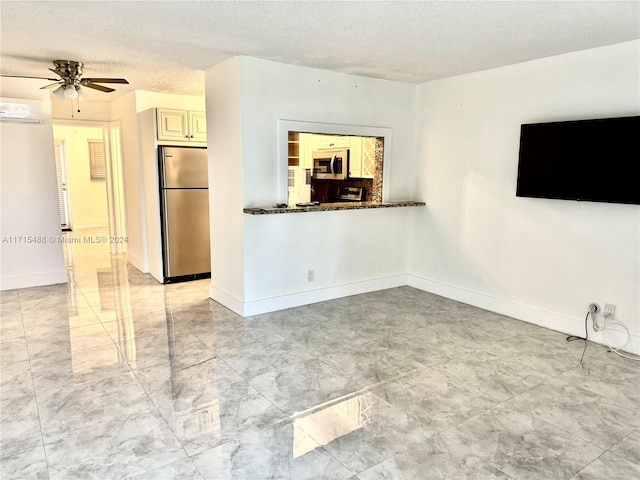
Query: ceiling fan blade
{"x": 57, "y": 84}
{"x": 105, "y": 80}
{"x": 98, "y": 87}
{"x": 25, "y": 76}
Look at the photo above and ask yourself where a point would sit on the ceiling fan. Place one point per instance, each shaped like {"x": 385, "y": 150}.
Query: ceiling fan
{"x": 70, "y": 81}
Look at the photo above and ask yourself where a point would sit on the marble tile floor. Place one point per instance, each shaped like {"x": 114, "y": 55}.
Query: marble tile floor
{"x": 114, "y": 376}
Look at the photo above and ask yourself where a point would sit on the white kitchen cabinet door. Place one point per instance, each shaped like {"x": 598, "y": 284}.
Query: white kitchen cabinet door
{"x": 368, "y": 157}
{"x": 197, "y": 126}
{"x": 173, "y": 125}
{"x": 355, "y": 157}
{"x": 306, "y": 148}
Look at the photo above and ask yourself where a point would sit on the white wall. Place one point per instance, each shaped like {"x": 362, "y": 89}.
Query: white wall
{"x": 226, "y": 191}
{"x": 146, "y": 100}
{"x": 151, "y": 197}
{"x": 539, "y": 260}
{"x": 28, "y": 196}
{"x": 87, "y": 198}
{"x": 124, "y": 109}
{"x": 65, "y": 109}
{"x": 349, "y": 250}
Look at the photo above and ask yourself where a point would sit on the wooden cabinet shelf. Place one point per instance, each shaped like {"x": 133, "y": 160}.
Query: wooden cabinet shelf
{"x": 293, "y": 153}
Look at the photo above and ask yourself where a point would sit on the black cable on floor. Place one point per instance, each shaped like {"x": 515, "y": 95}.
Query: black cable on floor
{"x": 571, "y": 338}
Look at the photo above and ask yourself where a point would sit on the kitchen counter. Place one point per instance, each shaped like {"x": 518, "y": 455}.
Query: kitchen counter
{"x": 325, "y": 207}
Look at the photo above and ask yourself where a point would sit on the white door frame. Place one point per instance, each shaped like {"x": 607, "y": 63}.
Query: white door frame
{"x": 115, "y": 187}
{"x": 65, "y": 182}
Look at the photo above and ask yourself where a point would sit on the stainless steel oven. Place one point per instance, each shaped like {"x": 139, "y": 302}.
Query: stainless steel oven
{"x": 331, "y": 164}
{"x": 348, "y": 194}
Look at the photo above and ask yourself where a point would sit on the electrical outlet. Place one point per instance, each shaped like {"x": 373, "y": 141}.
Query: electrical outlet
{"x": 609, "y": 311}
{"x": 310, "y": 275}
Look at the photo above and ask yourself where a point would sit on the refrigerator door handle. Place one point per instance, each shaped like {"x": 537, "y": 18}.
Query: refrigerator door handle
{"x": 165, "y": 222}
{"x": 162, "y": 170}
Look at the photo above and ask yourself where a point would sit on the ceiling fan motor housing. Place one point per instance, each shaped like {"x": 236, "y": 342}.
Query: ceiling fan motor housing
{"x": 67, "y": 68}
{"x": 69, "y": 71}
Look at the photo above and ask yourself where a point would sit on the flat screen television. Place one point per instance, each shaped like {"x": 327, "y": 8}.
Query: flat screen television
{"x": 590, "y": 160}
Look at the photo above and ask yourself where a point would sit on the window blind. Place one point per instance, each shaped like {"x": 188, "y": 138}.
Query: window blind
{"x": 97, "y": 161}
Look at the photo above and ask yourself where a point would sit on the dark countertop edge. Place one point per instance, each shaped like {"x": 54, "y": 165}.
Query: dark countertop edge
{"x": 327, "y": 207}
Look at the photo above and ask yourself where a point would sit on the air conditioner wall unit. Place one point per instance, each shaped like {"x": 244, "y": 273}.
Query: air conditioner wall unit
{"x": 21, "y": 110}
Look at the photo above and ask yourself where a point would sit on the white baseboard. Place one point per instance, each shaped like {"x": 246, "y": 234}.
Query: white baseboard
{"x": 226, "y": 299}
{"x": 272, "y": 304}
{"x": 137, "y": 262}
{"x": 33, "y": 280}
{"x": 537, "y": 316}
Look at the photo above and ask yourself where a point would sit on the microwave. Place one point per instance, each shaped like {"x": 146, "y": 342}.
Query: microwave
{"x": 331, "y": 164}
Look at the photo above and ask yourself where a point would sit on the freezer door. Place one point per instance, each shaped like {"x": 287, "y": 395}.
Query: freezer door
{"x": 186, "y": 232}
{"x": 183, "y": 167}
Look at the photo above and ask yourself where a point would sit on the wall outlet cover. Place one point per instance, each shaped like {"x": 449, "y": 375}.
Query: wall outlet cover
{"x": 609, "y": 311}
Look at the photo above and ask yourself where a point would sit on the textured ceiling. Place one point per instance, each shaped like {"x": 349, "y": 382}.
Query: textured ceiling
{"x": 166, "y": 46}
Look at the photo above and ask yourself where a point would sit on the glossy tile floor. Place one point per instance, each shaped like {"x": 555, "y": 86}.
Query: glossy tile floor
{"x": 115, "y": 376}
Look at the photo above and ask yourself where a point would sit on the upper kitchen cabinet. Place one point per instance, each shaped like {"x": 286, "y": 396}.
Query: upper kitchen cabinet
{"x": 183, "y": 126}
{"x": 197, "y": 126}
{"x": 301, "y": 146}
{"x": 306, "y": 150}
{"x": 362, "y": 157}
{"x": 322, "y": 142}
{"x": 362, "y": 152}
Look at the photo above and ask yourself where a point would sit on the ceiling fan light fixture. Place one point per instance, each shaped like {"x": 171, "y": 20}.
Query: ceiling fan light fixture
{"x": 70, "y": 92}
{"x": 59, "y": 92}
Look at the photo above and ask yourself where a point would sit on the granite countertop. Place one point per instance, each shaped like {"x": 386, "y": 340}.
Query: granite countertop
{"x": 325, "y": 207}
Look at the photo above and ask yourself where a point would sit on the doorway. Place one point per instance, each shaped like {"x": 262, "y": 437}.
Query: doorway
{"x": 85, "y": 175}
{"x": 90, "y": 179}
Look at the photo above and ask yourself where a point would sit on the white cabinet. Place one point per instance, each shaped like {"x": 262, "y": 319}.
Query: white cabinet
{"x": 306, "y": 147}
{"x": 362, "y": 157}
{"x": 322, "y": 142}
{"x": 181, "y": 126}
{"x": 197, "y": 126}
{"x": 355, "y": 160}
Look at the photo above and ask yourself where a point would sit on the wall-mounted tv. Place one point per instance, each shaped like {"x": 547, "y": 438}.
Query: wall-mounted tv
{"x": 591, "y": 160}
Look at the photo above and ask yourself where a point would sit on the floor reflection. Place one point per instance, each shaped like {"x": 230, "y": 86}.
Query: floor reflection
{"x": 123, "y": 304}
{"x": 334, "y": 421}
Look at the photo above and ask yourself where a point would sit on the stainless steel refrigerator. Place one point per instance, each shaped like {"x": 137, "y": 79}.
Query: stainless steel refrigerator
{"x": 184, "y": 209}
